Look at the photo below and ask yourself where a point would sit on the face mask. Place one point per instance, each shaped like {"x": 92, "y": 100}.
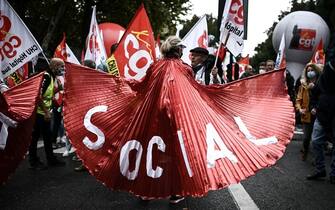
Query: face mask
{"x": 311, "y": 74}
{"x": 60, "y": 71}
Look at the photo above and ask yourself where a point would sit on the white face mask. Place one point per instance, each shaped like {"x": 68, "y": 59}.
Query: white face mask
{"x": 262, "y": 71}
{"x": 311, "y": 74}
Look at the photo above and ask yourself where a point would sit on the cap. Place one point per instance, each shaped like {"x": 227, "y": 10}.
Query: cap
{"x": 200, "y": 50}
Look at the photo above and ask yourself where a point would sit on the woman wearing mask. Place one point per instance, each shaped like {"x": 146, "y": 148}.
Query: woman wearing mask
{"x": 308, "y": 79}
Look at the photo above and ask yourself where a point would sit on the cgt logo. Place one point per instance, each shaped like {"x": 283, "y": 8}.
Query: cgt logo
{"x": 203, "y": 40}
{"x": 303, "y": 39}
{"x": 236, "y": 10}
{"x": 8, "y": 42}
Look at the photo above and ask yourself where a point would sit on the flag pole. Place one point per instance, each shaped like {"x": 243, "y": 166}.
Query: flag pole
{"x": 217, "y": 54}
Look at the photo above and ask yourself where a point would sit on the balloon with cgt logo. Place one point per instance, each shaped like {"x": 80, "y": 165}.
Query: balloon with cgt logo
{"x": 303, "y": 31}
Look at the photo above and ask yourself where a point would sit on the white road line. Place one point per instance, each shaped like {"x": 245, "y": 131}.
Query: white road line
{"x": 242, "y": 199}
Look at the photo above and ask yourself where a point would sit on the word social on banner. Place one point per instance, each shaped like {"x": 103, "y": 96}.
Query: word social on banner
{"x": 17, "y": 45}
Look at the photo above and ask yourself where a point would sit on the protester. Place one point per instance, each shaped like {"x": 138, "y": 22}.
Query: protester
{"x": 43, "y": 117}
{"x": 202, "y": 64}
{"x": 248, "y": 71}
{"x": 261, "y": 68}
{"x": 309, "y": 77}
{"x": 325, "y": 120}
{"x": 269, "y": 65}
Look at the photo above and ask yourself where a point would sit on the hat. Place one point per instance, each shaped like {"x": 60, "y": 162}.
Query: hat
{"x": 181, "y": 44}
{"x": 200, "y": 50}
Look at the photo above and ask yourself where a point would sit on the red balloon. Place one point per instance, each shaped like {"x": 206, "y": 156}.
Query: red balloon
{"x": 112, "y": 33}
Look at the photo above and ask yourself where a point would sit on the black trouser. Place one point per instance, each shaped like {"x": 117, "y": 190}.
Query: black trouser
{"x": 57, "y": 119}
{"x": 41, "y": 126}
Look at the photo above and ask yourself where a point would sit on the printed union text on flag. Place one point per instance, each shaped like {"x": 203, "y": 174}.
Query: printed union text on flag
{"x": 136, "y": 49}
{"x": 232, "y": 26}
{"x": 17, "y": 45}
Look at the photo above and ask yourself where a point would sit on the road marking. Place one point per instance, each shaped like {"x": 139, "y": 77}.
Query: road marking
{"x": 241, "y": 198}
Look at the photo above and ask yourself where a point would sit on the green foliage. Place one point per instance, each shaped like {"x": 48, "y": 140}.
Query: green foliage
{"x": 38, "y": 14}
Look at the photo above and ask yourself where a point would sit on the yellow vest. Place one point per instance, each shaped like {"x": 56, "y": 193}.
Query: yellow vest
{"x": 47, "y": 97}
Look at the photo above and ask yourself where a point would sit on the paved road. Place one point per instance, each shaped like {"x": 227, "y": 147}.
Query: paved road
{"x": 282, "y": 186}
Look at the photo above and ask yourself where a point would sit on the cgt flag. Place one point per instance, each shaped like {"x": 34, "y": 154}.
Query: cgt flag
{"x": 17, "y": 44}
{"x": 233, "y": 26}
{"x": 196, "y": 37}
{"x": 95, "y": 50}
{"x": 64, "y": 52}
{"x": 17, "y": 108}
{"x": 319, "y": 55}
{"x": 136, "y": 49}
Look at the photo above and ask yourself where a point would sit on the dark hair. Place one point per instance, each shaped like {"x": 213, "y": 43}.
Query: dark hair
{"x": 89, "y": 63}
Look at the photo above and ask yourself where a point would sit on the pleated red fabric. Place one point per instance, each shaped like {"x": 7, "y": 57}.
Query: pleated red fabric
{"x": 169, "y": 135}
{"x": 17, "y": 111}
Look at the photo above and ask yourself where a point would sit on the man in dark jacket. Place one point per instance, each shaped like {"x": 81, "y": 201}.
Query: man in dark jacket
{"x": 325, "y": 120}
{"x": 202, "y": 64}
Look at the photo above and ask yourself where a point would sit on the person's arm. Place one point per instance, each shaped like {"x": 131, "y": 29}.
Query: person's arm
{"x": 3, "y": 87}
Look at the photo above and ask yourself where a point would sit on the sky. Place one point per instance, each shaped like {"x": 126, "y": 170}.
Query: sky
{"x": 262, "y": 14}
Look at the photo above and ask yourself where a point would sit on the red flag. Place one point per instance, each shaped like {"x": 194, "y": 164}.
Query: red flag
{"x": 136, "y": 49}
{"x": 169, "y": 135}
{"x": 222, "y": 53}
{"x": 319, "y": 55}
{"x": 60, "y": 51}
{"x": 243, "y": 63}
{"x": 17, "y": 108}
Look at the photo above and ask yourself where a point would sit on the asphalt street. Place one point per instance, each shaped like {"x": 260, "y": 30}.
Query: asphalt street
{"x": 282, "y": 186}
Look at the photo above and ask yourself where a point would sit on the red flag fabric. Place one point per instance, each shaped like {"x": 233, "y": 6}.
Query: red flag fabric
{"x": 60, "y": 51}
{"x": 136, "y": 49}
{"x": 319, "y": 55}
{"x": 169, "y": 135}
{"x": 243, "y": 62}
{"x": 221, "y": 53}
{"x": 17, "y": 108}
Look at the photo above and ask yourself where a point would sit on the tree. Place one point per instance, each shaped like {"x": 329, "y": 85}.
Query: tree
{"x": 48, "y": 19}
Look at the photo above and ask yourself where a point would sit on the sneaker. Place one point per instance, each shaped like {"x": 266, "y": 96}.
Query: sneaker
{"x": 80, "y": 168}
{"x": 316, "y": 175}
{"x": 72, "y": 150}
{"x": 176, "y": 199}
{"x": 63, "y": 139}
{"x": 37, "y": 165}
{"x": 55, "y": 162}
{"x": 65, "y": 153}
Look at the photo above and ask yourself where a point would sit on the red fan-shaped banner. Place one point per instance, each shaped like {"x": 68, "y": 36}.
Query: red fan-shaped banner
{"x": 17, "y": 107}
{"x": 169, "y": 135}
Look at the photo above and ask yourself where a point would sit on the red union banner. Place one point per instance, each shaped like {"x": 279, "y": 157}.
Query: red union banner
{"x": 319, "y": 54}
{"x": 170, "y": 135}
{"x": 17, "y": 45}
{"x": 136, "y": 49}
{"x": 17, "y": 107}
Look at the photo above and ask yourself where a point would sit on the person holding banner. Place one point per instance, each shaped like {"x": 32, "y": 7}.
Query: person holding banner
{"x": 43, "y": 118}
{"x": 202, "y": 65}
